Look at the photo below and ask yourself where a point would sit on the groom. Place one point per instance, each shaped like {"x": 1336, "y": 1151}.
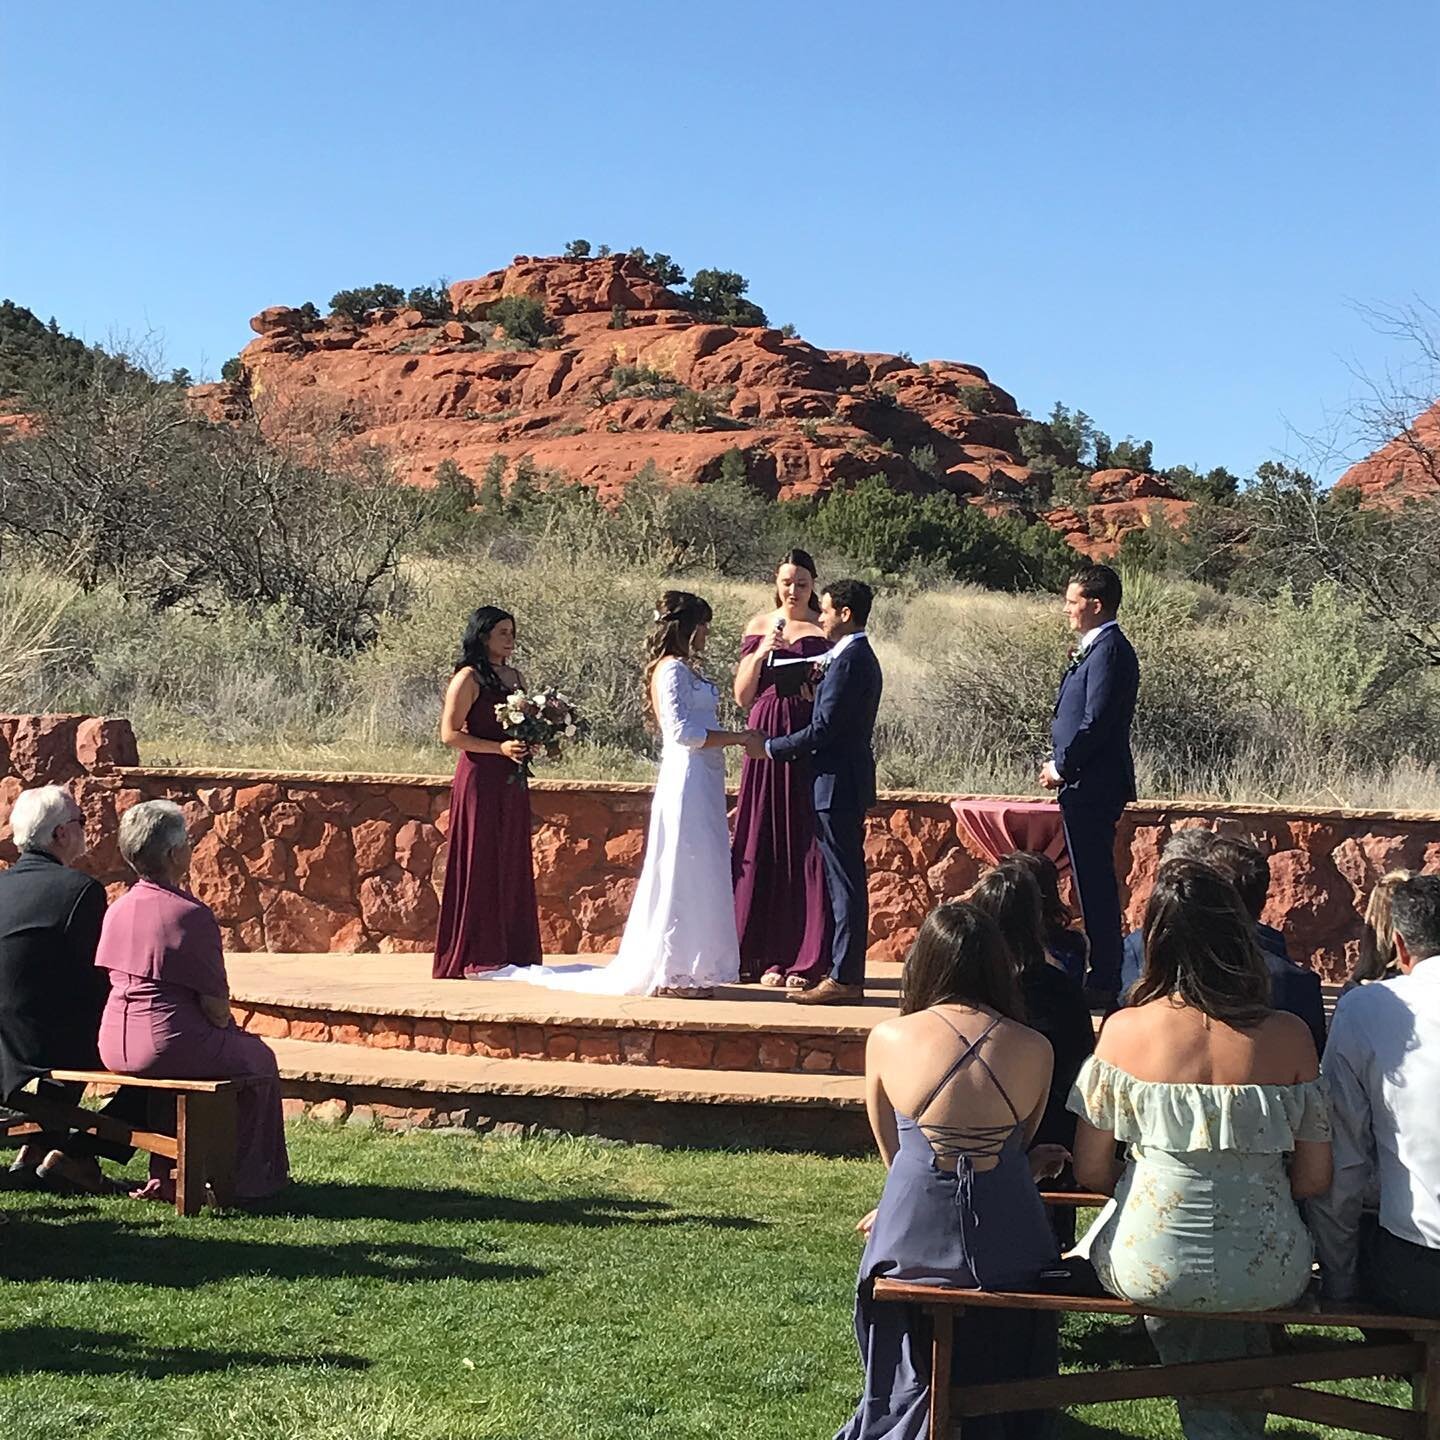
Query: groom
{"x": 837, "y": 742}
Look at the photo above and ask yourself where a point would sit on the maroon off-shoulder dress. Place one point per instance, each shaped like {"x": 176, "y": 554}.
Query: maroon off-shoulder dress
{"x": 781, "y": 910}
{"x": 488, "y": 913}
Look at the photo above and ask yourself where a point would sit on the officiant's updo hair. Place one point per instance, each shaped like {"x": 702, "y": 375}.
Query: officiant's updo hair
{"x": 678, "y": 614}
{"x": 802, "y": 561}
{"x": 475, "y": 646}
{"x": 959, "y": 957}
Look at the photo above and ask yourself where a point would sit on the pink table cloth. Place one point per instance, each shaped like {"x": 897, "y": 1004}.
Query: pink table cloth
{"x": 991, "y": 827}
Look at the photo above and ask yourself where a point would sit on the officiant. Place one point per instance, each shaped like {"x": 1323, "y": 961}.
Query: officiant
{"x": 782, "y": 913}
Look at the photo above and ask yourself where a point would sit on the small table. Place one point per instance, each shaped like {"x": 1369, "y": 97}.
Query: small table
{"x": 991, "y": 826}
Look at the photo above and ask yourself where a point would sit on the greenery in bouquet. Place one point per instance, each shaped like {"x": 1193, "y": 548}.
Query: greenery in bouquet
{"x": 544, "y": 721}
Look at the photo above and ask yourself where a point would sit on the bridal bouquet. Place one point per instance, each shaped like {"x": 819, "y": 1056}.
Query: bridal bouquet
{"x": 544, "y": 720}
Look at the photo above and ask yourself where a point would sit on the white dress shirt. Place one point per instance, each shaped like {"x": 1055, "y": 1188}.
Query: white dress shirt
{"x": 1091, "y": 636}
{"x": 1382, "y": 1064}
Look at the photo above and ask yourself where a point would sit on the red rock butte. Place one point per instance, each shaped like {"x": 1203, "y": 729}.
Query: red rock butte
{"x": 1408, "y": 468}
{"x": 806, "y": 420}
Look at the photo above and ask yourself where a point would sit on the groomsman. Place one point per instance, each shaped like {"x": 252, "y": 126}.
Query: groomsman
{"x": 1091, "y": 765}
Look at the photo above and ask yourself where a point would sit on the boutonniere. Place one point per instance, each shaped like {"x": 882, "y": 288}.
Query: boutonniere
{"x": 1076, "y": 656}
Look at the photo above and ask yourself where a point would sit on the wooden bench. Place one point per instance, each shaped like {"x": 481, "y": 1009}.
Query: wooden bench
{"x": 1266, "y": 1382}
{"x": 203, "y": 1146}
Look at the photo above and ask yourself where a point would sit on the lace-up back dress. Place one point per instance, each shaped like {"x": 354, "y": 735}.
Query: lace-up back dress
{"x": 959, "y": 1208}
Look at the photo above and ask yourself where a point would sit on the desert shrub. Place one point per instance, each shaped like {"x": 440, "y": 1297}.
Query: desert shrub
{"x": 232, "y": 369}
{"x": 1214, "y": 487}
{"x": 659, "y": 267}
{"x": 789, "y": 331}
{"x": 1126, "y": 454}
{"x": 522, "y": 318}
{"x": 700, "y": 410}
{"x": 924, "y": 459}
{"x": 891, "y": 532}
{"x": 356, "y": 304}
{"x": 619, "y": 317}
{"x": 719, "y": 295}
{"x": 642, "y": 382}
{"x": 432, "y": 301}
{"x": 577, "y": 250}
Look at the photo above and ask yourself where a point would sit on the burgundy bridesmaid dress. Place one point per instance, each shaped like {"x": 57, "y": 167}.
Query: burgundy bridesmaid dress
{"x": 781, "y": 910}
{"x": 488, "y": 914}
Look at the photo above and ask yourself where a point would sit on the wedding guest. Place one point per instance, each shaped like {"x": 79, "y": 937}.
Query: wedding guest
{"x": 1193, "y": 842}
{"x": 1293, "y": 988}
{"x": 955, "y": 1087}
{"x": 1219, "y": 1099}
{"x": 782, "y": 913}
{"x": 51, "y": 994}
{"x": 1383, "y": 1068}
{"x": 1376, "y": 957}
{"x": 488, "y": 913}
{"x": 1054, "y": 1003}
{"x": 1091, "y": 765}
{"x": 168, "y": 1015}
{"x": 1065, "y": 945}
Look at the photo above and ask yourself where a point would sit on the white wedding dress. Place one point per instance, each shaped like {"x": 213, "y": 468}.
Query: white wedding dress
{"x": 680, "y": 933}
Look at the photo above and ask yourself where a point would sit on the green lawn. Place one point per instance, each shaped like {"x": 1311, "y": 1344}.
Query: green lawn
{"x": 442, "y": 1287}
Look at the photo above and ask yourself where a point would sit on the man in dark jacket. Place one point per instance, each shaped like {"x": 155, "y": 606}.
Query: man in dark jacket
{"x": 838, "y": 743}
{"x": 51, "y": 994}
{"x": 1091, "y": 765}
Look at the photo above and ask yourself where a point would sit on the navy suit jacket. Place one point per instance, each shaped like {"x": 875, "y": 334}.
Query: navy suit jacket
{"x": 1293, "y": 988}
{"x": 1090, "y": 733}
{"x": 838, "y": 737}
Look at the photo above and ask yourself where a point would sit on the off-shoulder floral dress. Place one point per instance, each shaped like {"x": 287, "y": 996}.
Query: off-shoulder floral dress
{"x": 1205, "y": 1217}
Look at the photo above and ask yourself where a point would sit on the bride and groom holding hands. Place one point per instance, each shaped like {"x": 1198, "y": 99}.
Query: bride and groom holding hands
{"x": 787, "y": 904}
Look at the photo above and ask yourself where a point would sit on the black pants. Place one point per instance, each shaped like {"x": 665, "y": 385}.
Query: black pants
{"x": 1090, "y": 839}
{"x": 128, "y": 1103}
{"x": 842, "y": 847}
{"x": 1398, "y": 1274}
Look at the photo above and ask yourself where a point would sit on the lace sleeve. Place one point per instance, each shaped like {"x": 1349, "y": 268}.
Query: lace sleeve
{"x": 673, "y": 687}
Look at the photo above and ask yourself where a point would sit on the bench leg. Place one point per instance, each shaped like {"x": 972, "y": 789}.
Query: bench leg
{"x": 1425, "y": 1387}
{"x": 205, "y": 1145}
{"x": 942, "y": 1346}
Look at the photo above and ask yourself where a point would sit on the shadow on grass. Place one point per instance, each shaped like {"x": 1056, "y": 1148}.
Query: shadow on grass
{"x": 60, "y": 1350}
{"x": 1107, "y": 1344}
{"x": 334, "y": 1200}
{"x": 59, "y": 1244}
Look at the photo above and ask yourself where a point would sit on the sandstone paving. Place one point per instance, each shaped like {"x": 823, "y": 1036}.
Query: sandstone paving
{"x": 360, "y": 1067}
{"x": 400, "y": 984}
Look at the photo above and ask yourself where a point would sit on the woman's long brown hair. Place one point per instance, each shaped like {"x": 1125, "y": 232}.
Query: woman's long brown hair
{"x": 678, "y": 614}
{"x": 1200, "y": 947}
{"x": 959, "y": 957}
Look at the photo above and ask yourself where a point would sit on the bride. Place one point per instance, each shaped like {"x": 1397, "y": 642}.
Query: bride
{"x": 680, "y": 935}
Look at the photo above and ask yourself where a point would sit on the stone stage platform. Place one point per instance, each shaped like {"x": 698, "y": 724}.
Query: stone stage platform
{"x": 372, "y": 1039}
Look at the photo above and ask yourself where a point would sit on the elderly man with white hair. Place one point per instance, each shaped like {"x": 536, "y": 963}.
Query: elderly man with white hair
{"x": 51, "y": 993}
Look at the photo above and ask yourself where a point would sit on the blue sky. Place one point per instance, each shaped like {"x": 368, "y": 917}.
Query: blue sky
{"x": 1162, "y": 214}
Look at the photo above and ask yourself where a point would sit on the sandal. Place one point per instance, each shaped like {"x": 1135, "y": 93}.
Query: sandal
{"x": 796, "y": 982}
{"x": 772, "y": 979}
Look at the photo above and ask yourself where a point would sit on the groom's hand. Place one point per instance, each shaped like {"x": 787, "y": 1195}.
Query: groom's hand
{"x": 1050, "y": 776}
{"x": 755, "y": 745}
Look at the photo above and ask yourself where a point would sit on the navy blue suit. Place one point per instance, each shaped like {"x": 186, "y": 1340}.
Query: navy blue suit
{"x": 1293, "y": 988}
{"x": 1090, "y": 734}
{"x": 838, "y": 743}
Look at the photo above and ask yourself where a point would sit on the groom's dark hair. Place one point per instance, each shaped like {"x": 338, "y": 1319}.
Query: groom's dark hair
{"x": 852, "y": 595}
{"x": 1099, "y": 582}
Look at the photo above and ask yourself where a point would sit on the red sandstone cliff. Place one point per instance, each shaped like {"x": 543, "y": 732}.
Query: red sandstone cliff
{"x": 806, "y": 419}
{"x": 1408, "y": 468}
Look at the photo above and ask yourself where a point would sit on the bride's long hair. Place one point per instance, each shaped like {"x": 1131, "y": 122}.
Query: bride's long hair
{"x": 678, "y": 614}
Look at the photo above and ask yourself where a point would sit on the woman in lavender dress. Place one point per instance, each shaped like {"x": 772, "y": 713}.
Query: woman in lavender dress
{"x": 781, "y": 912}
{"x": 955, "y": 1088}
{"x": 168, "y": 1015}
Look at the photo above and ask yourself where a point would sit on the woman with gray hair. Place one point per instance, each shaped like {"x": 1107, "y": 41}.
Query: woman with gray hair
{"x": 168, "y": 1016}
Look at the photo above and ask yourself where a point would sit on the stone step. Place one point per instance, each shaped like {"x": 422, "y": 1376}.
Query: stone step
{"x": 361, "y": 1084}
{"x": 389, "y": 1002}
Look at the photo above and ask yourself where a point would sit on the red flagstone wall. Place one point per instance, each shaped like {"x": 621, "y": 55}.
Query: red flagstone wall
{"x": 311, "y": 862}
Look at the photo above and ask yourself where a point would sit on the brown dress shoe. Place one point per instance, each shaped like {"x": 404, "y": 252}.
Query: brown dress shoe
{"x": 828, "y": 992}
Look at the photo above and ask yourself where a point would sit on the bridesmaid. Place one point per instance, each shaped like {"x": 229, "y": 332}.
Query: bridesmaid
{"x": 781, "y": 912}
{"x": 488, "y": 914}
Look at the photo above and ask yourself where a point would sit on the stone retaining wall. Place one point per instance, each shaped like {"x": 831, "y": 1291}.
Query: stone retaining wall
{"x": 314, "y": 862}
